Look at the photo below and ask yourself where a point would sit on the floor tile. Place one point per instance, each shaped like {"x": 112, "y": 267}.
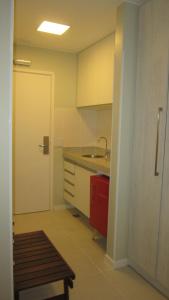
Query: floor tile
{"x": 95, "y": 277}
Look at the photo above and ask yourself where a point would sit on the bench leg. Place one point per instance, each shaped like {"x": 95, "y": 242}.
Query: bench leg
{"x": 16, "y": 296}
{"x": 66, "y": 289}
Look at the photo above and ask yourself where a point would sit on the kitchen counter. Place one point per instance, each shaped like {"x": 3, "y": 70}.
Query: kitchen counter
{"x": 98, "y": 165}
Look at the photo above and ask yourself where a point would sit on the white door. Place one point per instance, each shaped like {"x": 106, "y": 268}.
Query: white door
{"x": 152, "y": 86}
{"x": 32, "y": 121}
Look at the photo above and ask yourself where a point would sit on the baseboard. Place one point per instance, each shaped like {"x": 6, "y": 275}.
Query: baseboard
{"x": 117, "y": 264}
{"x": 148, "y": 278}
{"x": 60, "y": 206}
{"x": 121, "y": 263}
{"x": 109, "y": 260}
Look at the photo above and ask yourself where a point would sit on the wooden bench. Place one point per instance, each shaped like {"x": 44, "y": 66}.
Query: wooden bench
{"x": 37, "y": 262}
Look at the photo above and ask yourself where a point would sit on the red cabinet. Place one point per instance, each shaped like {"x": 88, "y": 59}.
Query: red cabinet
{"x": 99, "y": 195}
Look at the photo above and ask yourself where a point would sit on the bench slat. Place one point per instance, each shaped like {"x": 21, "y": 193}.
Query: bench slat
{"x": 40, "y": 281}
{"x": 49, "y": 271}
{"x": 37, "y": 262}
{"x": 41, "y": 266}
{"x": 36, "y": 257}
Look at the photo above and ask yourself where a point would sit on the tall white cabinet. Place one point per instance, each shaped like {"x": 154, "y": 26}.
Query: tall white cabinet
{"x": 149, "y": 211}
{"x": 163, "y": 242}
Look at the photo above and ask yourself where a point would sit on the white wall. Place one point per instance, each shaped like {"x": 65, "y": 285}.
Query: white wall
{"x": 73, "y": 127}
{"x": 62, "y": 64}
{"x": 6, "y": 41}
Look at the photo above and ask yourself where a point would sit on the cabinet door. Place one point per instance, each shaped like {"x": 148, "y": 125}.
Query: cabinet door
{"x": 82, "y": 189}
{"x": 95, "y": 74}
{"x": 99, "y": 188}
{"x": 152, "y": 83}
{"x": 163, "y": 246}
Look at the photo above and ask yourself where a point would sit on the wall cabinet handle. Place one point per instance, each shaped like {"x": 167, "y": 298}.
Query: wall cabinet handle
{"x": 156, "y": 173}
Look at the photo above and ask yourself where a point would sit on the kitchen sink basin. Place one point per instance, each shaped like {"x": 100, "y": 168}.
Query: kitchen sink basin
{"x": 93, "y": 155}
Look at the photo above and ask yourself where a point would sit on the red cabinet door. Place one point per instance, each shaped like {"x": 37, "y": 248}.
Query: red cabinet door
{"x": 99, "y": 194}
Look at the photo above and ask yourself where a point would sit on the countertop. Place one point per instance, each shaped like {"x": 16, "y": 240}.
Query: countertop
{"x": 98, "y": 165}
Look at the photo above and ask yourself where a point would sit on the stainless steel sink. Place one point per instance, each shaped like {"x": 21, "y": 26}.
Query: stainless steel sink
{"x": 92, "y": 155}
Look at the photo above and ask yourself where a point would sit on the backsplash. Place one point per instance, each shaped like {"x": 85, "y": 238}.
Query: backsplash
{"x": 104, "y": 126}
{"x": 78, "y": 128}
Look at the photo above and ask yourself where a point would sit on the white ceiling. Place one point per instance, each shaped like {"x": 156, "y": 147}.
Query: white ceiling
{"x": 90, "y": 20}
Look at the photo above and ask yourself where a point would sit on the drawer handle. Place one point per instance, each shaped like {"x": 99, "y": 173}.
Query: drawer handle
{"x": 69, "y": 193}
{"x": 66, "y": 180}
{"x": 69, "y": 172}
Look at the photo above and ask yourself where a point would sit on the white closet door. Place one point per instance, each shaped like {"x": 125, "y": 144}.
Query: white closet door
{"x": 163, "y": 248}
{"x": 152, "y": 82}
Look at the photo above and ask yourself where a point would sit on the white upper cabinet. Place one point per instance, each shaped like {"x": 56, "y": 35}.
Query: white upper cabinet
{"x": 95, "y": 74}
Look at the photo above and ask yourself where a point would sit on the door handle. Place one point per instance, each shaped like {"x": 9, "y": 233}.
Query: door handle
{"x": 45, "y": 145}
{"x": 156, "y": 173}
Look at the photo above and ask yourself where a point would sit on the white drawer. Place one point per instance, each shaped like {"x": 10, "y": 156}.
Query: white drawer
{"x": 68, "y": 197}
{"x": 70, "y": 177}
{"x": 69, "y": 187}
{"x": 69, "y": 167}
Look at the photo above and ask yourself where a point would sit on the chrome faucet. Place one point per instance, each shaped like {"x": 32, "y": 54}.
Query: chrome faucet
{"x": 106, "y": 149}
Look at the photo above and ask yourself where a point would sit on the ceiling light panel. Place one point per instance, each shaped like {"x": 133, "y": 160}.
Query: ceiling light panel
{"x": 53, "y": 28}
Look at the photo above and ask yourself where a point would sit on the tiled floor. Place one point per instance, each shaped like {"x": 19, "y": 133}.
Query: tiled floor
{"x": 95, "y": 278}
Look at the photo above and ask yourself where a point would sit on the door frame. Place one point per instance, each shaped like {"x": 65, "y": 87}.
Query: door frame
{"x": 52, "y": 76}
{"x": 6, "y": 237}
